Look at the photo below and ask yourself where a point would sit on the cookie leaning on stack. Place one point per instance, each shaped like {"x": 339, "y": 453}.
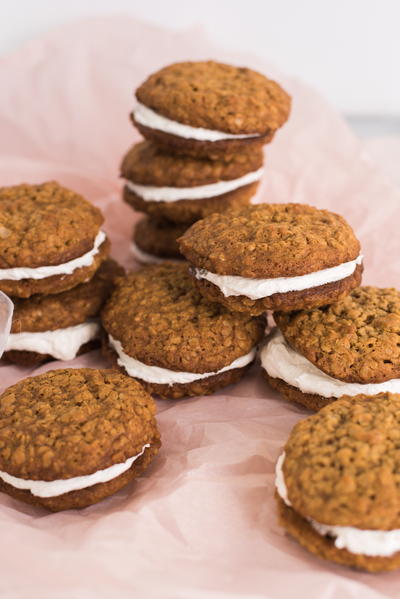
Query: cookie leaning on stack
{"x": 273, "y": 256}
{"x": 351, "y": 347}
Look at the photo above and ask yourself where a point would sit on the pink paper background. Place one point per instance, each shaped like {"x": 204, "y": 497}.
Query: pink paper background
{"x": 201, "y": 524}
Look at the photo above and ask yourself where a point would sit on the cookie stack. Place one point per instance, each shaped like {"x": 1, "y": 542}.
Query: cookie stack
{"x": 54, "y": 265}
{"x": 205, "y": 124}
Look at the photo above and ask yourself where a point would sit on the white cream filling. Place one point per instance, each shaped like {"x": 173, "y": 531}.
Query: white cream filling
{"x": 42, "y": 272}
{"x": 149, "y": 118}
{"x": 146, "y": 258}
{"x": 61, "y": 344}
{"x": 164, "y": 376}
{"x": 53, "y": 488}
{"x": 383, "y": 543}
{"x": 260, "y": 288}
{"x": 173, "y": 194}
{"x": 280, "y": 361}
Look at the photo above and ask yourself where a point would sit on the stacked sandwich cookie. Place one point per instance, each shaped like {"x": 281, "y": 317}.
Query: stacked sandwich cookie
{"x": 348, "y": 348}
{"x": 177, "y": 343}
{"x": 72, "y": 437}
{"x": 54, "y": 266}
{"x": 205, "y": 124}
{"x": 273, "y": 257}
{"x": 337, "y": 482}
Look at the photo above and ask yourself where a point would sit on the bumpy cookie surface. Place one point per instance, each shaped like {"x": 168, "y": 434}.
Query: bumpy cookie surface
{"x": 355, "y": 340}
{"x": 172, "y": 325}
{"x": 270, "y": 240}
{"x": 158, "y": 237}
{"x": 342, "y": 463}
{"x": 216, "y": 96}
{"x": 45, "y": 225}
{"x": 147, "y": 164}
{"x": 73, "y": 422}
{"x": 67, "y": 309}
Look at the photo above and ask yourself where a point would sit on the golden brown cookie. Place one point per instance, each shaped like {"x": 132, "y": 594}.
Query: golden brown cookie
{"x": 337, "y": 482}
{"x": 72, "y": 437}
{"x": 155, "y": 241}
{"x": 209, "y": 109}
{"x": 176, "y": 342}
{"x": 356, "y": 340}
{"x": 182, "y": 189}
{"x": 273, "y": 256}
{"x": 62, "y": 325}
{"x": 50, "y": 239}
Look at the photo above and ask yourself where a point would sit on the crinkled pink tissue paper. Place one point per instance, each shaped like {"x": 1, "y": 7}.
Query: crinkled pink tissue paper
{"x": 201, "y": 523}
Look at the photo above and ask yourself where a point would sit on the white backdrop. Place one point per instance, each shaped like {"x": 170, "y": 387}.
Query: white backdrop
{"x": 348, "y": 49}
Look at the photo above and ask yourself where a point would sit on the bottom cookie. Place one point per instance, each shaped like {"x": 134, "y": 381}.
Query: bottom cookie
{"x": 85, "y": 497}
{"x": 324, "y": 547}
{"x": 179, "y": 390}
{"x": 154, "y": 241}
{"x": 286, "y": 302}
{"x": 308, "y": 400}
{"x": 31, "y": 358}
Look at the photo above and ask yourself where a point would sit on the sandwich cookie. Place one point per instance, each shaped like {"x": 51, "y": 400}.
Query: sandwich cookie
{"x": 182, "y": 189}
{"x": 161, "y": 331}
{"x": 209, "y": 109}
{"x": 72, "y": 437}
{"x": 156, "y": 241}
{"x": 273, "y": 257}
{"x": 50, "y": 239}
{"x": 61, "y": 326}
{"x": 337, "y": 482}
{"x": 349, "y": 348}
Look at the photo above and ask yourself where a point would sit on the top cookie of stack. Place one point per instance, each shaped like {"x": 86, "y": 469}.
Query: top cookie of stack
{"x": 205, "y": 124}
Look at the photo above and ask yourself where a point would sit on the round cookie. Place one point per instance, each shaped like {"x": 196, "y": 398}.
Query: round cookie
{"x": 273, "y": 256}
{"x": 348, "y": 348}
{"x": 209, "y": 109}
{"x": 60, "y": 326}
{"x": 50, "y": 239}
{"x": 177, "y": 343}
{"x": 338, "y": 489}
{"x": 69, "y": 438}
{"x": 155, "y": 241}
{"x": 182, "y": 189}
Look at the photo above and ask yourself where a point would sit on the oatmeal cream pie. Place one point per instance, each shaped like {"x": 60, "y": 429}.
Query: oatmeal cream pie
{"x": 155, "y": 241}
{"x": 182, "y": 189}
{"x": 273, "y": 257}
{"x": 338, "y": 486}
{"x": 348, "y": 348}
{"x": 209, "y": 109}
{"x": 161, "y": 331}
{"x": 63, "y": 325}
{"x": 50, "y": 239}
{"x": 72, "y": 437}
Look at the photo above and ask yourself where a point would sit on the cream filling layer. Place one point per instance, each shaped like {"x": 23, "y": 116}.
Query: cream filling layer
{"x": 164, "y": 376}
{"x": 173, "y": 194}
{"x": 259, "y": 288}
{"x": 42, "y": 272}
{"x": 61, "y": 344}
{"x": 54, "y": 488}
{"x": 280, "y": 361}
{"x": 383, "y": 543}
{"x": 146, "y": 258}
{"x": 149, "y": 118}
